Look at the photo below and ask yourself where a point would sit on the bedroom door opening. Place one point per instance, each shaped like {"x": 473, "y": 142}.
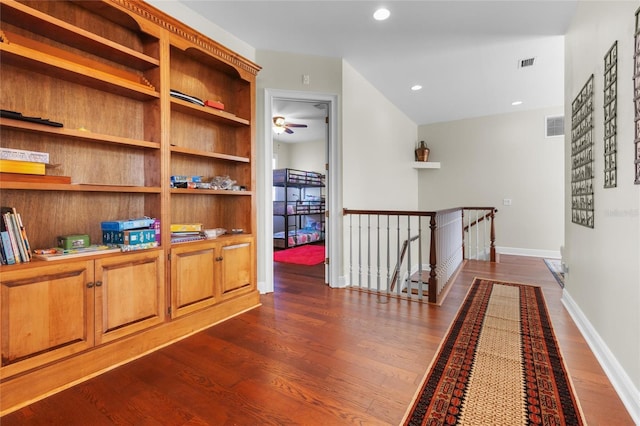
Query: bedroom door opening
{"x": 300, "y": 129}
{"x": 300, "y": 138}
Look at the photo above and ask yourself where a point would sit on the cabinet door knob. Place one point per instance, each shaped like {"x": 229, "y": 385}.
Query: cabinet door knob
{"x": 98, "y": 283}
{"x": 90, "y": 285}
{"x": 219, "y": 258}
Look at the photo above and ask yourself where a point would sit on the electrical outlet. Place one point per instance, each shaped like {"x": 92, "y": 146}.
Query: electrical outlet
{"x": 305, "y": 79}
{"x": 506, "y": 202}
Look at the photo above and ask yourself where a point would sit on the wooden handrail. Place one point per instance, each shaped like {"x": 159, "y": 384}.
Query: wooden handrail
{"x": 477, "y": 221}
{"x": 389, "y": 212}
{"x": 492, "y": 237}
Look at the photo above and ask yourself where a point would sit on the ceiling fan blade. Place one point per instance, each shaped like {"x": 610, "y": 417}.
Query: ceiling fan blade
{"x": 295, "y": 125}
{"x": 287, "y": 130}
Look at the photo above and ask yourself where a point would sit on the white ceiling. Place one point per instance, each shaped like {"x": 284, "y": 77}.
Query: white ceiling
{"x": 313, "y": 114}
{"x": 465, "y": 54}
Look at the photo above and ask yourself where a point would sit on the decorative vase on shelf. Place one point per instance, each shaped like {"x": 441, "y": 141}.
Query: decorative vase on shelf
{"x": 422, "y": 152}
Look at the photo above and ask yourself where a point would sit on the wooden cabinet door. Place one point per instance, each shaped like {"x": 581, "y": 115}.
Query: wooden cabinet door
{"x": 46, "y": 313}
{"x": 237, "y": 271}
{"x": 129, "y": 294}
{"x": 193, "y": 278}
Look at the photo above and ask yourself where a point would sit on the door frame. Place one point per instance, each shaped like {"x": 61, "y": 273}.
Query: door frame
{"x": 334, "y": 183}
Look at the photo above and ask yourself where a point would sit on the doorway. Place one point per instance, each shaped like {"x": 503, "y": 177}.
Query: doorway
{"x": 318, "y": 113}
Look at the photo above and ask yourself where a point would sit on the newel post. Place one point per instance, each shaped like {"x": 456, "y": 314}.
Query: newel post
{"x": 433, "y": 280}
{"x": 462, "y": 230}
{"x": 492, "y": 250}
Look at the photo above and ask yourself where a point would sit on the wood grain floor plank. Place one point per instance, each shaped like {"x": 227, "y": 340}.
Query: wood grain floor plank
{"x": 310, "y": 355}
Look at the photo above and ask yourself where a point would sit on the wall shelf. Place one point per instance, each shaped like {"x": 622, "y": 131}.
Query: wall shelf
{"x": 426, "y": 165}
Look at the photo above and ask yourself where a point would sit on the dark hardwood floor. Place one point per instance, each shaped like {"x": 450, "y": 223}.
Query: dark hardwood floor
{"x": 310, "y": 355}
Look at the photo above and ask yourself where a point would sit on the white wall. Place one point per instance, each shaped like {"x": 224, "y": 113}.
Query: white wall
{"x": 603, "y": 283}
{"x": 377, "y": 149}
{"x": 282, "y": 154}
{"x": 485, "y": 160}
{"x": 284, "y": 71}
{"x": 201, "y": 23}
{"x": 308, "y": 156}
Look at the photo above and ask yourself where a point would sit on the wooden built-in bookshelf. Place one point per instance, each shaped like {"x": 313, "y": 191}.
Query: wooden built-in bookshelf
{"x": 105, "y": 70}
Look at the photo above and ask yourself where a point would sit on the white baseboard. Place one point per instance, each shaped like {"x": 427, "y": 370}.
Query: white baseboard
{"x": 262, "y": 288}
{"x": 550, "y": 254}
{"x": 628, "y": 393}
{"x": 342, "y": 282}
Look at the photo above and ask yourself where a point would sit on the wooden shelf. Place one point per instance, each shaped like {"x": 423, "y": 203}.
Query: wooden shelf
{"x": 53, "y": 66}
{"x": 43, "y": 24}
{"x": 207, "y": 113}
{"x": 426, "y": 165}
{"x": 79, "y": 187}
{"x": 199, "y": 153}
{"x": 210, "y": 192}
{"x": 73, "y": 134}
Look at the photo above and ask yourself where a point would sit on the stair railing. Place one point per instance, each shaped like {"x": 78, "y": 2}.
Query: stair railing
{"x": 479, "y": 242}
{"x": 408, "y": 254}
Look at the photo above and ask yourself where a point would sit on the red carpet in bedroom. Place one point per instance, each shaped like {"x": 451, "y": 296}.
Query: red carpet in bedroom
{"x": 301, "y": 255}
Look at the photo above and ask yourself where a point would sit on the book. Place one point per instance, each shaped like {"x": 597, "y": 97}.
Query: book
{"x": 3, "y": 260}
{"x": 26, "y": 167}
{"x": 143, "y": 246}
{"x": 23, "y": 234}
{"x": 12, "y": 223}
{"x": 8, "y": 225}
{"x": 123, "y": 225}
{"x": 24, "y": 155}
{"x": 186, "y": 227}
{"x": 129, "y": 237}
{"x": 214, "y": 104}
{"x": 156, "y": 228}
{"x": 6, "y": 248}
{"x": 187, "y": 238}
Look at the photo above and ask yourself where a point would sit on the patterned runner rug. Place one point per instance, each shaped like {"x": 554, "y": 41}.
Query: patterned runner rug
{"x": 498, "y": 365}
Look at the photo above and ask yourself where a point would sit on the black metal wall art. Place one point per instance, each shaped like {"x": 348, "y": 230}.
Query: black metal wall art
{"x": 610, "y": 114}
{"x": 582, "y": 156}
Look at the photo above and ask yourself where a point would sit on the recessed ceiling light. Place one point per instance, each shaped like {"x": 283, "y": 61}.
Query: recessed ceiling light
{"x": 381, "y": 14}
{"x": 516, "y": 103}
{"x": 416, "y": 87}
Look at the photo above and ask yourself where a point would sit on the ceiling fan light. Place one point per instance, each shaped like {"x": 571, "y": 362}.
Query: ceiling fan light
{"x": 278, "y": 121}
{"x": 278, "y": 129}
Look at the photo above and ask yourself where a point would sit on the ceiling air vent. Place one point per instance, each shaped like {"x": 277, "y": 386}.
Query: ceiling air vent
{"x": 554, "y": 126}
{"x": 526, "y": 62}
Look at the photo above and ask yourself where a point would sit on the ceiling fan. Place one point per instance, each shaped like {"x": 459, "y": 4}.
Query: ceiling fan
{"x": 281, "y": 126}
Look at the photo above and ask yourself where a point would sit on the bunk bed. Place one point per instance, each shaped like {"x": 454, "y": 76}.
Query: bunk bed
{"x": 298, "y": 208}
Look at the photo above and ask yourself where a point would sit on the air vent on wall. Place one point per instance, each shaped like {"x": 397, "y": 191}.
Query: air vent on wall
{"x": 526, "y": 62}
{"x": 554, "y": 126}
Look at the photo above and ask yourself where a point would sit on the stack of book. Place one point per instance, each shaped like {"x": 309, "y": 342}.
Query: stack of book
{"x": 185, "y": 232}
{"x": 130, "y": 234}
{"x": 14, "y": 244}
{"x": 18, "y": 165}
{"x": 23, "y": 162}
